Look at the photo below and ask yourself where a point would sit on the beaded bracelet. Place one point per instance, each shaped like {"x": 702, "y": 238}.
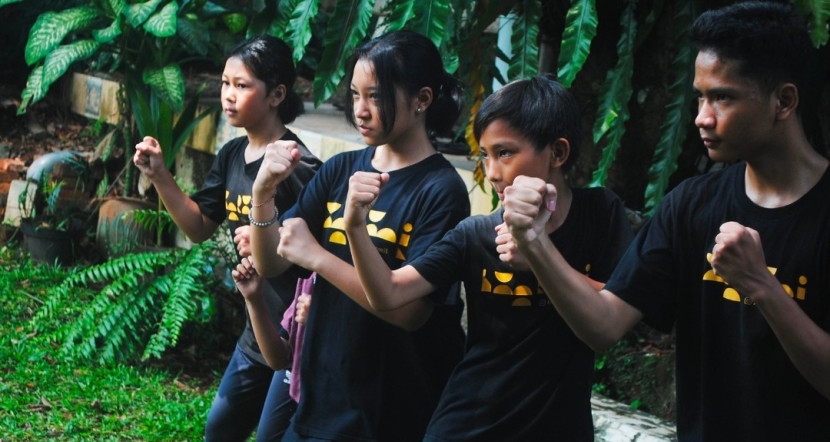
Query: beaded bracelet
{"x": 265, "y": 223}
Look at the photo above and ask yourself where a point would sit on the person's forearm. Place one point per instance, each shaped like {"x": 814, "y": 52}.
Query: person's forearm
{"x": 598, "y": 318}
{"x": 184, "y": 211}
{"x": 374, "y": 275}
{"x": 274, "y": 348}
{"x": 338, "y": 272}
{"x": 266, "y": 239}
{"x": 806, "y": 344}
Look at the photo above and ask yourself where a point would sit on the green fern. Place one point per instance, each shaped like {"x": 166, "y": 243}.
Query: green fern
{"x": 144, "y": 302}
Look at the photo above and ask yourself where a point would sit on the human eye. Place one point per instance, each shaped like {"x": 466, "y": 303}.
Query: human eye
{"x": 225, "y": 83}
{"x": 722, "y": 97}
{"x": 241, "y": 85}
{"x": 505, "y": 153}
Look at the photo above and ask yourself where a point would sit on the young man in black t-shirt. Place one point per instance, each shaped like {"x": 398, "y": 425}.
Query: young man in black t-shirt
{"x": 735, "y": 260}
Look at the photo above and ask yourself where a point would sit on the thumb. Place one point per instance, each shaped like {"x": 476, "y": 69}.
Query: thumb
{"x": 550, "y": 197}
{"x": 384, "y": 178}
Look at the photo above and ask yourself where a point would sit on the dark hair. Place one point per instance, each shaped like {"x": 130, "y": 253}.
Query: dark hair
{"x": 410, "y": 61}
{"x": 768, "y": 40}
{"x": 270, "y": 60}
{"x": 540, "y": 108}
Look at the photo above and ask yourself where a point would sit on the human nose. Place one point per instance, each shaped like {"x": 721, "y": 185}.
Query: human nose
{"x": 361, "y": 108}
{"x": 227, "y": 93}
{"x": 491, "y": 170}
{"x": 705, "y": 114}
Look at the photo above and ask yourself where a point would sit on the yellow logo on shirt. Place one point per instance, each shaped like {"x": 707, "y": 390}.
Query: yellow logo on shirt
{"x": 374, "y": 228}
{"x": 731, "y": 294}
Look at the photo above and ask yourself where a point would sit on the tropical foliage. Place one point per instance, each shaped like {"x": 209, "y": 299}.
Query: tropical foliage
{"x": 150, "y": 39}
{"x": 145, "y": 300}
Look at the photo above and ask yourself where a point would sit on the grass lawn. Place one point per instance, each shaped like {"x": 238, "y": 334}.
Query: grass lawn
{"x": 45, "y": 398}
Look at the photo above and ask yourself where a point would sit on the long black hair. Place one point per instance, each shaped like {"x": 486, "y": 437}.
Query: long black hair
{"x": 410, "y": 61}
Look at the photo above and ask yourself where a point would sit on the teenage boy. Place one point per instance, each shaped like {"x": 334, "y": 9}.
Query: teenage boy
{"x": 736, "y": 260}
{"x": 524, "y": 375}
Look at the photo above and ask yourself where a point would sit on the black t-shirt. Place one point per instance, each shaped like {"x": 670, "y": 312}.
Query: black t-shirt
{"x": 363, "y": 378}
{"x": 226, "y": 195}
{"x": 525, "y": 375}
{"x": 734, "y": 380}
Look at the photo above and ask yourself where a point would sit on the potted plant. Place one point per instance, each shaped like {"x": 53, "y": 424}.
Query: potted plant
{"x": 50, "y": 223}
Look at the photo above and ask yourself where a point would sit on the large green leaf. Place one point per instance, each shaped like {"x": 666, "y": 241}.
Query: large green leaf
{"x": 51, "y": 27}
{"x": 195, "y": 34}
{"x": 235, "y": 22}
{"x": 525, "y": 42}
{"x": 342, "y": 36}
{"x": 118, "y": 6}
{"x": 397, "y": 14}
{"x": 34, "y": 90}
{"x": 673, "y": 130}
{"x": 109, "y": 33}
{"x": 612, "y": 112}
{"x": 163, "y": 23}
{"x": 430, "y": 19}
{"x": 580, "y": 29}
{"x": 136, "y": 14}
{"x": 300, "y": 26}
{"x": 59, "y": 60}
{"x": 280, "y": 25}
{"x": 168, "y": 84}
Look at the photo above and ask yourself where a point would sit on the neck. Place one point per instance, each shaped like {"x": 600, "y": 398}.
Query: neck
{"x": 259, "y": 138}
{"x": 788, "y": 171}
{"x": 403, "y": 152}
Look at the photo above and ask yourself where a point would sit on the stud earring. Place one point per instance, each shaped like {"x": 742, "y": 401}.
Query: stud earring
{"x": 419, "y": 110}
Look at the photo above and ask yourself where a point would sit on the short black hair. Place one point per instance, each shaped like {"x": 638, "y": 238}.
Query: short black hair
{"x": 410, "y": 61}
{"x": 270, "y": 60}
{"x": 540, "y": 108}
{"x": 769, "y": 40}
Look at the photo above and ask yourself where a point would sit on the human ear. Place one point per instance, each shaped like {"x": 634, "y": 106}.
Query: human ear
{"x": 560, "y": 151}
{"x": 423, "y": 99}
{"x": 786, "y": 96}
{"x": 277, "y": 95}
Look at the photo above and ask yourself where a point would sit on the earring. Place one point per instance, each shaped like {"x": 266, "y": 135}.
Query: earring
{"x": 419, "y": 110}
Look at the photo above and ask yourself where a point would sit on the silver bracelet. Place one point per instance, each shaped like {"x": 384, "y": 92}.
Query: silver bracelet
{"x": 265, "y": 223}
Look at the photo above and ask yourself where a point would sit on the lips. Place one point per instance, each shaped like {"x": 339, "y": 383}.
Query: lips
{"x": 708, "y": 141}
{"x": 364, "y": 130}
